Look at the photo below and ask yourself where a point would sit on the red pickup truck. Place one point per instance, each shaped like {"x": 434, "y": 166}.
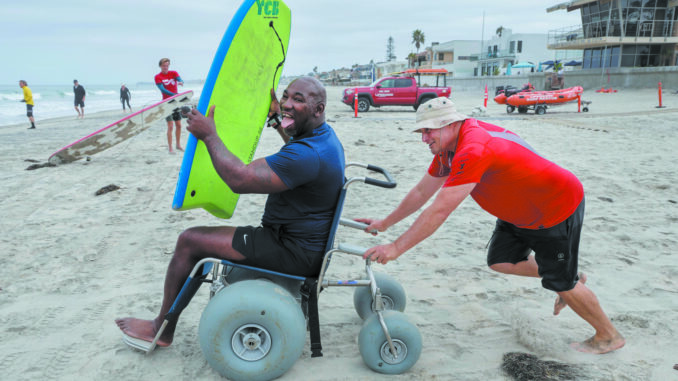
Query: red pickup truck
{"x": 393, "y": 91}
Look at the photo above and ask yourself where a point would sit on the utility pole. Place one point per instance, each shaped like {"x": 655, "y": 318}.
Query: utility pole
{"x": 482, "y": 41}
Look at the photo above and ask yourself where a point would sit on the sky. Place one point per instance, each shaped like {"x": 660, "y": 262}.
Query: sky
{"x": 50, "y": 42}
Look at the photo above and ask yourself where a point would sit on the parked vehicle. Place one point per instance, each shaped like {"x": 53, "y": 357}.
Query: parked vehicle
{"x": 398, "y": 89}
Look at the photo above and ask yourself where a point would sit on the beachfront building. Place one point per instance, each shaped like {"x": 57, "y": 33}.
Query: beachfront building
{"x": 472, "y": 58}
{"x": 386, "y": 68}
{"x": 621, "y": 33}
{"x": 454, "y": 56}
{"x": 507, "y": 47}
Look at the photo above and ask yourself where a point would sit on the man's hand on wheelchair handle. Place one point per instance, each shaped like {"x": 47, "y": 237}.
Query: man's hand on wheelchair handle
{"x": 382, "y": 253}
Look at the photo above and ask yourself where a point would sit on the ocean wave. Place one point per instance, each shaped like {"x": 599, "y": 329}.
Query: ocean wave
{"x": 11, "y": 97}
{"x": 104, "y": 92}
{"x": 16, "y": 97}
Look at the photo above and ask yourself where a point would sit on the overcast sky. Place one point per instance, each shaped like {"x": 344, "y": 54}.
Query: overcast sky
{"x": 109, "y": 42}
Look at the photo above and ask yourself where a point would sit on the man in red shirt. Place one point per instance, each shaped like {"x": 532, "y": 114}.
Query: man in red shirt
{"x": 167, "y": 81}
{"x": 539, "y": 206}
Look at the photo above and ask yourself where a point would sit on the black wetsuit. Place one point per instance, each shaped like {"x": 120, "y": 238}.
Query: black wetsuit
{"x": 124, "y": 97}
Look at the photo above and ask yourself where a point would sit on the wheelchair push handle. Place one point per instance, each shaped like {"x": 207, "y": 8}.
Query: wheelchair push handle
{"x": 389, "y": 183}
{"x": 356, "y": 225}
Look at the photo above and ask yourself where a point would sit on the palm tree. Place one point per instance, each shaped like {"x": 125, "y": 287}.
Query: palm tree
{"x": 411, "y": 58}
{"x": 418, "y": 39}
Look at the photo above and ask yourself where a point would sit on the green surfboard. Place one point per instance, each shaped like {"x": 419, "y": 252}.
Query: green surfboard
{"x": 247, "y": 64}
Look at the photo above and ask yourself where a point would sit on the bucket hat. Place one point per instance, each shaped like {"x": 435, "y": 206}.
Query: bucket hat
{"x": 437, "y": 113}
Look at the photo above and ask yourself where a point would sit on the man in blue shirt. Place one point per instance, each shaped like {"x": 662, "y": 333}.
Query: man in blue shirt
{"x": 79, "y": 100}
{"x": 303, "y": 181}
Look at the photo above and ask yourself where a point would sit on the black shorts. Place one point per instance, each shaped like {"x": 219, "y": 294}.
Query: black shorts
{"x": 29, "y": 110}
{"x": 176, "y": 115}
{"x": 556, "y": 249}
{"x": 268, "y": 248}
{"x": 80, "y": 103}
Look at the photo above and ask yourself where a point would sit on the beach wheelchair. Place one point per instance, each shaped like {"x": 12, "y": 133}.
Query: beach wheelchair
{"x": 254, "y": 326}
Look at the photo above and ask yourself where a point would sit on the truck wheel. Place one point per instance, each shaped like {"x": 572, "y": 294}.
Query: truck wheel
{"x": 374, "y": 347}
{"x": 392, "y": 295}
{"x": 363, "y": 104}
{"x": 585, "y": 109}
{"x": 252, "y": 330}
{"x": 510, "y": 109}
{"x": 421, "y": 102}
{"x": 540, "y": 110}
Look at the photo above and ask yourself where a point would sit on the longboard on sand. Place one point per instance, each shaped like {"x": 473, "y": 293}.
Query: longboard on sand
{"x": 119, "y": 131}
{"x": 247, "y": 64}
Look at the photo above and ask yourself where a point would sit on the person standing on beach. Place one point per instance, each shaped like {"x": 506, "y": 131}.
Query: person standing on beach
{"x": 303, "y": 181}
{"x": 167, "y": 81}
{"x": 125, "y": 97}
{"x": 28, "y": 98}
{"x": 539, "y": 206}
{"x": 79, "y": 93}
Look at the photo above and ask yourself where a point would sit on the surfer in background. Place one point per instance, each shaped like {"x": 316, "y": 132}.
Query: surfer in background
{"x": 303, "y": 181}
{"x": 539, "y": 207}
{"x": 125, "y": 97}
{"x": 167, "y": 81}
{"x": 28, "y": 98}
{"x": 79, "y": 93}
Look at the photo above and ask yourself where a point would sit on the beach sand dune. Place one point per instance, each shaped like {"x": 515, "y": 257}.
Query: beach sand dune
{"x": 73, "y": 261}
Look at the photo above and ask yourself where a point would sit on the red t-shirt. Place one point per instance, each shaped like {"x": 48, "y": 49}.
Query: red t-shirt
{"x": 514, "y": 183}
{"x": 168, "y": 81}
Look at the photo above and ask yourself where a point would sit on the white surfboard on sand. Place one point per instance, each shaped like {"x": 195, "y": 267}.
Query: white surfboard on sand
{"x": 120, "y": 131}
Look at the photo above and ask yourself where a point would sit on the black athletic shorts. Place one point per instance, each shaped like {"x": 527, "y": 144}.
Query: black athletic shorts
{"x": 80, "y": 103}
{"x": 556, "y": 249}
{"x": 267, "y": 247}
{"x": 29, "y": 110}
{"x": 176, "y": 115}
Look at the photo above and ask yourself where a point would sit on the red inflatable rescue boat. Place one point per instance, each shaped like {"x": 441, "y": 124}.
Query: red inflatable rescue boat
{"x": 545, "y": 97}
{"x": 540, "y": 100}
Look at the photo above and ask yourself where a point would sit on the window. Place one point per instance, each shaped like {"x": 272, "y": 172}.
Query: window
{"x": 628, "y": 56}
{"x": 520, "y": 46}
{"x": 595, "y": 58}
{"x": 387, "y": 83}
{"x": 512, "y": 47}
{"x": 403, "y": 82}
{"x": 587, "y": 59}
{"x": 441, "y": 56}
{"x": 614, "y": 56}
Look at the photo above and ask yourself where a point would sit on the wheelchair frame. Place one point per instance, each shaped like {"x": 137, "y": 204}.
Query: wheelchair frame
{"x": 219, "y": 270}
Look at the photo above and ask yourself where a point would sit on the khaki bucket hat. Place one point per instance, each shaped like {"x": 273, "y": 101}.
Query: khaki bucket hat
{"x": 437, "y": 113}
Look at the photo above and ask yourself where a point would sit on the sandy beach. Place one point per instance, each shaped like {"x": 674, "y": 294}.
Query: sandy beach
{"x": 72, "y": 261}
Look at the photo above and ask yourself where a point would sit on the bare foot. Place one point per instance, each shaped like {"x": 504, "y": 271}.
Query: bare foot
{"x": 180, "y": 149}
{"x": 593, "y": 345}
{"x": 560, "y": 302}
{"x": 142, "y": 329}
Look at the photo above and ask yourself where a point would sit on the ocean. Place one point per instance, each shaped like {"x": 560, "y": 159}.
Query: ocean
{"x": 53, "y": 101}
